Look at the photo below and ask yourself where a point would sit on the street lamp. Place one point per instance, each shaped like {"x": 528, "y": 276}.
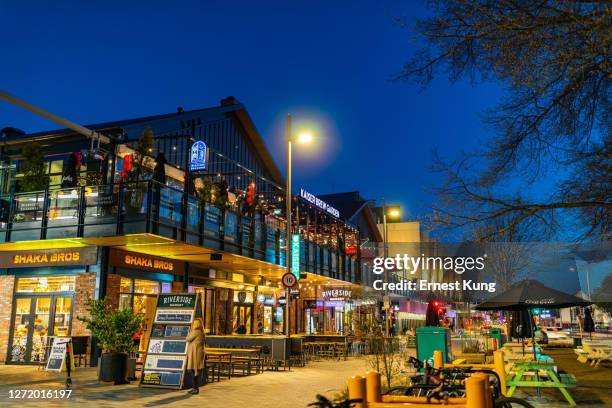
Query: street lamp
{"x": 392, "y": 213}
{"x": 302, "y": 138}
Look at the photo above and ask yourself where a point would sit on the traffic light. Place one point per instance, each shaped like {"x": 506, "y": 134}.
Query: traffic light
{"x": 250, "y": 195}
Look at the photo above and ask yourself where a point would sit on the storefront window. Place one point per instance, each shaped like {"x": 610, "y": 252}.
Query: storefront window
{"x": 134, "y": 293}
{"x": 208, "y": 299}
{"x": 45, "y": 284}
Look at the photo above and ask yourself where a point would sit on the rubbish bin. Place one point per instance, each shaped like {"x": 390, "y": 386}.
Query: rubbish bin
{"x": 430, "y": 339}
{"x": 495, "y": 333}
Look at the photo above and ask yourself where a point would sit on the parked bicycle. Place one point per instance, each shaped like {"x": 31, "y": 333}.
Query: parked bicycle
{"x": 324, "y": 402}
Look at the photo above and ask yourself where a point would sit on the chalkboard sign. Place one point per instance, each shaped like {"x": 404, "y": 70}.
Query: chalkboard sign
{"x": 176, "y": 331}
{"x": 171, "y": 346}
{"x": 54, "y": 364}
{"x": 162, "y": 378}
{"x": 168, "y": 330}
{"x": 166, "y": 357}
{"x": 174, "y": 316}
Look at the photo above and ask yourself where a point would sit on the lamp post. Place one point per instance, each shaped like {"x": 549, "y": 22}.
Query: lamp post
{"x": 302, "y": 138}
{"x": 394, "y": 213}
{"x": 288, "y": 219}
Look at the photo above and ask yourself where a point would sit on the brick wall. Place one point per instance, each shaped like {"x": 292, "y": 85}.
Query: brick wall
{"x": 7, "y": 284}
{"x": 177, "y": 287}
{"x": 113, "y": 287}
{"x": 85, "y": 286}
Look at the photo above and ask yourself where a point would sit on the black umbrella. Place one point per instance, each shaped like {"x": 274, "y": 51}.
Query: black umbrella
{"x": 521, "y": 325}
{"x": 529, "y": 294}
{"x": 589, "y": 324}
{"x": 431, "y": 315}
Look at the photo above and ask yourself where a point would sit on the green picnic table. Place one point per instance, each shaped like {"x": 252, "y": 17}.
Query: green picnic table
{"x": 540, "y": 376}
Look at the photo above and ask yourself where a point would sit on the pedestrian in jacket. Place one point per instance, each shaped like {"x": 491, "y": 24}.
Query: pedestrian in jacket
{"x": 195, "y": 353}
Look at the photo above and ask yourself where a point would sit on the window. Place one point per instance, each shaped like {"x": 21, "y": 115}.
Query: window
{"x": 45, "y": 284}
{"x": 134, "y": 292}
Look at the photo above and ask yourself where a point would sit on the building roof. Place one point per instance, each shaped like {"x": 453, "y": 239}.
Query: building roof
{"x": 229, "y": 106}
{"x": 350, "y": 204}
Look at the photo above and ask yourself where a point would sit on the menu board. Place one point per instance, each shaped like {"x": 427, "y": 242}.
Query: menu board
{"x": 173, "y": 316}
{"x": 162, "y": 378}
{"x": 57, "y": 356}
{"x": 167, "y": 346}
{"x": 169, "y": 330}
{"x": 166, "y": 357}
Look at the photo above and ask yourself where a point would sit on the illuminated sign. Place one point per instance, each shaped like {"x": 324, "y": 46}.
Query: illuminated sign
{"x": 295, "y": 255}
{"x": 124, "y": 259}
{"x": 198, "y": 156}
{"x": 50, "y": 257}
{"x": 148, "y": 262}
{"x": 311, "y": 198}
{"x": 336, "y": 294}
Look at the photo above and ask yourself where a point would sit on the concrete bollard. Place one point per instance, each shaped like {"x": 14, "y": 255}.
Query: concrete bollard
{"x": 357, "y": 390}
{"x": 438, "y": 358}
{"x": 373, "y": 387}
{"x": 476, "y": 393}
{"x": 500, "y": 369}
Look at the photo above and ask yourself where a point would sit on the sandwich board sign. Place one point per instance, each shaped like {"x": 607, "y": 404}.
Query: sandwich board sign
{"x": 61, "y": 347}
{"x": 166, "y": 353}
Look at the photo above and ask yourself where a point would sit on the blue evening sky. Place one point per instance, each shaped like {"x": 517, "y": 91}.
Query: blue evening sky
{"x": 328, "y": 63}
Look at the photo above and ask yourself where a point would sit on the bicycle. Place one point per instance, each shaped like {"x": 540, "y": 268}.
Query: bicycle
{"x": 323, "y": 402}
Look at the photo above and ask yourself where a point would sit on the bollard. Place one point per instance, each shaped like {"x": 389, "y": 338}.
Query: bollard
{"x": 438, "y": 358}
{"x": 373, "y": 388}
{"x": 485, "y": 377}
{"x": 357, "y": 390}
{"x": 476, "y": 394}
{"x": 500, "y": 369}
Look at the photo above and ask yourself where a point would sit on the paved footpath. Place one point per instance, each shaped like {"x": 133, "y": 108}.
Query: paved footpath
{"x": 286, "y": 389}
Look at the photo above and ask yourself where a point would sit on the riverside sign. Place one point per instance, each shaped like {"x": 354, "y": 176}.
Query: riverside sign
{"x": 311, "y": 198}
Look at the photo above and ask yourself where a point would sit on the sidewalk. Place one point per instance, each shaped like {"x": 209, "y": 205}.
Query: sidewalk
{"x": 283, "y": 389}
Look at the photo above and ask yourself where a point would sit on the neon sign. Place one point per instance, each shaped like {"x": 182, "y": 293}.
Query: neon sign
{"x": 295, "y": 255}
{"x": 311, "y": 198}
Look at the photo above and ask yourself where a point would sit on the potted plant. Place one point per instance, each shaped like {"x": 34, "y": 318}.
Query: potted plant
{"x": 114, "y": 330}
{"x": 34, "y": 169}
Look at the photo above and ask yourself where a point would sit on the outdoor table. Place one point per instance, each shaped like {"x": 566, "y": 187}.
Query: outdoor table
{"x": 218, "y": 359}
{"x": 545, "y": 377}
{"x": 237, "y": 355}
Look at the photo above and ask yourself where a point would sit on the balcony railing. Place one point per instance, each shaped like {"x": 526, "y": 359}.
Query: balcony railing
{"x": 148, "y": 207}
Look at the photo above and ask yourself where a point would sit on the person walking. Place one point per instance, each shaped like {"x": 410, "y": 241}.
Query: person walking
{"x": 195, "y": 353}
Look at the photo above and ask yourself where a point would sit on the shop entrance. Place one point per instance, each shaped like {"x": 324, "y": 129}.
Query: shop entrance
{"x": 36, "y": 320}
{"x": 243, "y": 319}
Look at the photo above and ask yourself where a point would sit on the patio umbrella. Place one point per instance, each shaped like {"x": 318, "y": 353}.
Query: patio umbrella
{"x": 589, "y": 324}
{"x": 528, "y": 294}
{"x": 531, "y": 293}
{"x": 521, "y": 326}
{"x": 431, "y": 315}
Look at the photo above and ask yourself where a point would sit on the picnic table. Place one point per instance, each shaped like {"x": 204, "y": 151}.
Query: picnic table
{"x": 245, "y": 357}
{"x": 538, "y": 375}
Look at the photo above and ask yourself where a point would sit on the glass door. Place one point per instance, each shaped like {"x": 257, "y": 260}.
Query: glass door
{"x": 36, "y": 319}
{"x": 242, "y": 319}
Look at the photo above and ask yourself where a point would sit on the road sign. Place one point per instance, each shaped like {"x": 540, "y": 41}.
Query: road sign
{"x": 289, "y": 280}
